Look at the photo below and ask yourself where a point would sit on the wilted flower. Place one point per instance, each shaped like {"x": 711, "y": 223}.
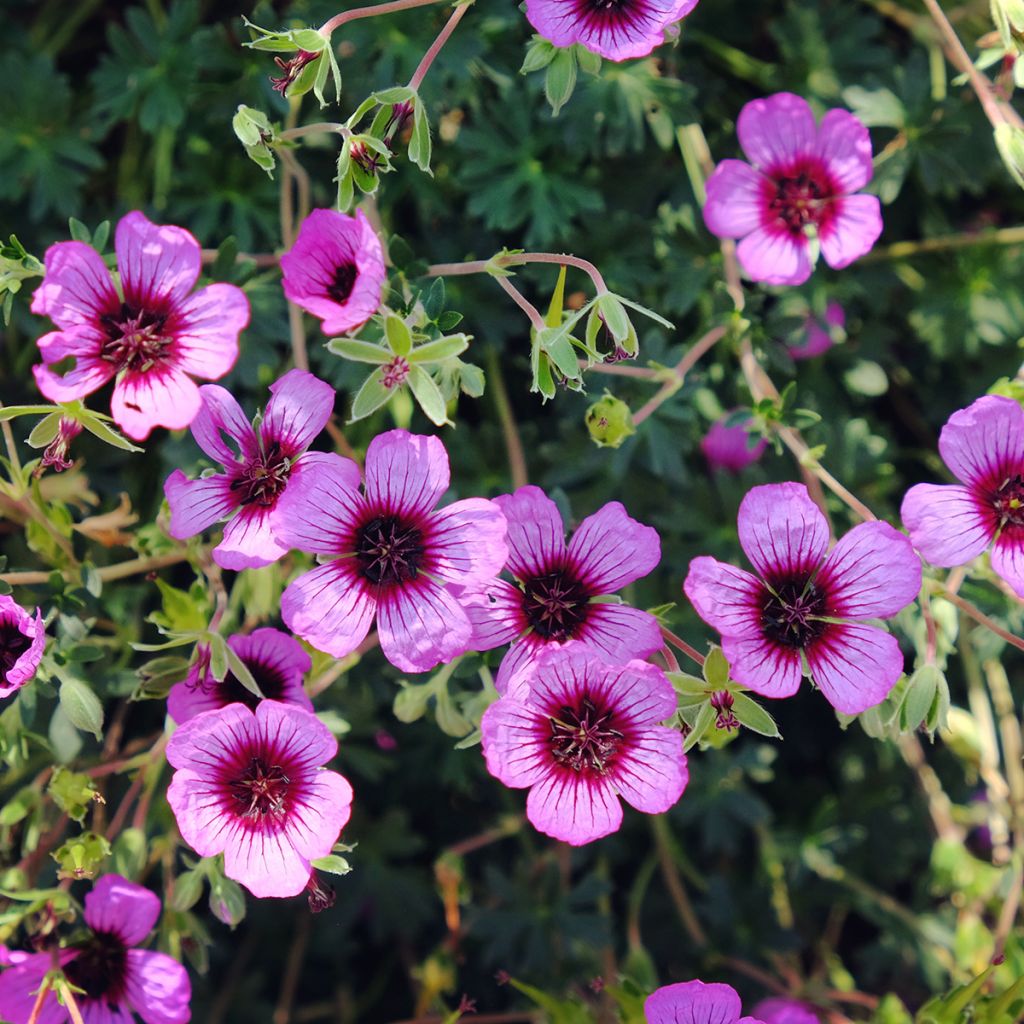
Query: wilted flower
{"x": 250, "y": 785}
{"x": 695, "y": 1002}
{"x": 392, "y": 553}
{"x": 276, "y": 661}
{"x": 553, "y": 601}
{"x": 257, "y": 476}
{"x": 116, "y": 980}
{"x": 801, "y": 607}
{"x": 292, "y": 68}
{"x": 55, "y": 455}
{"x": 22, "y": 639}
{"x": 615, "y": 29}
{"x": 335, "y": 270}
{"x": 150, "y": 334}
{"x": 731, "y": 447}
{"x": 951, "y": 524}
{"x": 818, "y": 336}
{"x": 797, "y": 192}
{"x": 580, "y": 733}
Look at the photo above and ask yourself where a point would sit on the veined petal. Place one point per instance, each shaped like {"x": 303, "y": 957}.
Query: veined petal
{"x": 406, "y": 474}
{"x": 77, "y": 288}
{"x": 249, "y": 540}
{"x": 536, "y": 534}
{"x": 726, "y": 598}
{"x": 160, "y": 397}
{"x": 89, "y": 373}
{"x": 518, "y": 660}
{"x": 314, "y": 826}
{"x": 122, "y": 907}
{"x": 610, "y": 549}
{"x": 197, "y": 504}
{"x": 265, "y": 862}
{"x": 220, "y": 418}
{"x": 1008, "y": 557}
{"x": 299, "y": 408}
{"x": 576, "y": 810}
{"x": 775, "y": 257}
{"x": 651, "y": 774}
{"x": 852, "y": 230}
{"x": 320, "y": 508}
{"x": 947, "y": 523}
{"x": 420, "y": 625}
{"x": 467, "y": 541}
{"x": 513, "y": 744}
{"x": 855, "y": 666}
{"x": 777, "y": 129}
{"x": 735, "y": 204}
{"x": 984, "y": 444}
{"x": 782, "y": 531}
{"x": 771, "y": 670}
{"x": 206, "y": 330}
{"x": 620, "y": 632}
{"x": 157, "y": 987}
{"x": 330, "y": 607}
{"x": 19, "y": 985}
{"x": 693, "y": 1002}
{"x": 844, "y": 144}
{"x": 159, "y": 264}
{"x": 871, "y": 572}
{"x": 495, "y": 612}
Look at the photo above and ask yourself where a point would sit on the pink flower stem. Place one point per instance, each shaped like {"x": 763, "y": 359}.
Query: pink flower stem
{"x": 980, "y": 617}
{"x": 680, "y": 644}
{"x": 70, "y": 1003}
{"x": 292, "y": 170}
{"x": 517, "y": 259}
{"x": 519, "y": 299}
{"x": 618, "y": 370}
{"x": 679, "y": 371}
{"x": 37, "y": 1006}
{"x": 509, "y": 428}
{"x": 328, "y": 27}
{"x": 435, "y": 48}
{"x": 320, "y": 128}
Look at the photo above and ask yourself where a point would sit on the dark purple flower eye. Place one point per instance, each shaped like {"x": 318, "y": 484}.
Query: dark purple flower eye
{"x": 22, "y": 638}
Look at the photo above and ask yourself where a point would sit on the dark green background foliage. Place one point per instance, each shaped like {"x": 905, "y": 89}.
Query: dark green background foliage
{"x": 817, "y": 849}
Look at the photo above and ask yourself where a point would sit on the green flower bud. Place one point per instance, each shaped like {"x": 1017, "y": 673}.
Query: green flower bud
{"x": 609, "y": 421}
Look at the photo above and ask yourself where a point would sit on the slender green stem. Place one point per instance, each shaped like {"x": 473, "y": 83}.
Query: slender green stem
{"x": 133, "y": 567}
{"x": 319, "y": 128}
{"x": 680, "y": 370}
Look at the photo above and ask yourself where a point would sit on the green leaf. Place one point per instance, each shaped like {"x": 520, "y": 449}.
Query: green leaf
{"x": 129, "y": 852}
{"x": 614, "y": 316}
{"x": 716, "y": 669}
{"x": 753, "y": 716}
{"x": 428, "y": 395}
{"x": 107, "y": 434}
{"x": 370, "y": 397}
{"x": 539, "y": 54}
{"x": 705, "y": 720}
{"x": 560, "y": 80}
{"x": 433, "y": 301}
{"x": 922, "y": 688}
{"x": 398, "y": 336}
{"x": 188, "y": 888}
{"x": 420, "y": 146}
{"x": 81, "y": 705}
{"x": 360, "y": 351}
{"x": 440, "y": 350}
{"x": 332, "y": 864}
{"x": 44, "y": 431}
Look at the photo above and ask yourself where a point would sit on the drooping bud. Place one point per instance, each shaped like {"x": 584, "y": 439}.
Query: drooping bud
{"x": 319, "y": 895}
{"x": 292, "y": 69}
{"x": 722, "y": 702}
{"x": 58, "y": 450}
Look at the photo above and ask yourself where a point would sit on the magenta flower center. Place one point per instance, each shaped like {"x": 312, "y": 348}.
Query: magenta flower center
{"x": 344, "y": 281}
{"x": 13, "y": 644}
{"x": 791, "y": 612}
{"x": 1009, "y": 502}
{"x": 615, "y": 13}
{"x": 583, "y": 738}
{"x": 230, "y": 691}
{"x": 264, "y": 478}
{"x": 389, "y": 550}
{"x": 261, "y": 789}
{"x": 99, "y": 969}
{"x": 555, "y": 604}
{"x": 800, "y": 197}
{"x": 395, "y": 373}
{"x": 136, "y": 340}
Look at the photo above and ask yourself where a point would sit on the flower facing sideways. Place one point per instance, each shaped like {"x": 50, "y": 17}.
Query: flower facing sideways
{"x": 951, "y": 524}
{"x": 115, "y": 978}
{"x": 392, "y": 554}
{"x": 695, "y": 1002}
{"x": 249, "y": 785}
{"x": 153, "y": 334}
{"x": 805, "y": 605}
{"x": 22, "y": 638}
{"x": 731, "y": 447}
{"x": 818, "y": 333}
{"x": 615, "y": 29}
{"x": 335, "y": 270}
{"x": 580, "y": 733}
{"x": 276, "y": 661}
{"x": 553, "y": 599}
{"x": 797, "y": 192}
{"x": 257, "y": 475}
{"x": 782, "y": 1010}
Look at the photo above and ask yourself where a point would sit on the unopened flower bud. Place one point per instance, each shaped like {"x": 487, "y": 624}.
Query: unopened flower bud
{"x": 609, "y": 421}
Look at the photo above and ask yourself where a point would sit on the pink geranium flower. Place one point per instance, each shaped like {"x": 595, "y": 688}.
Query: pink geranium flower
{"x": 393, "y": 555}
{"x": 785, "y": 1011}
{"x": 951, "y": 524}
{"x": 818, "y": 335}
{"x": 695, "y": 1002}
{"x": 806, "y": 605}
{"x": 249, "y": 785}
{"x": 275, "y": 659}
{"x": 335, "y": 270}
{"x": 22, "y": 638}
{"x": 730, "y": 447}
{"x": 796, "y": 193}
{"x": 149, "y": 332}
{"x": 553, "y": 601}
{"x": 117, "y": 979}
{"x": 580, "y": 733}
{"x": 257, "y": 476}
{"x": 615, "y": 29}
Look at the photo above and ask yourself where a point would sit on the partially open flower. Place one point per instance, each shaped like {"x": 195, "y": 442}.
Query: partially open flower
{"x": 22, "y": 639}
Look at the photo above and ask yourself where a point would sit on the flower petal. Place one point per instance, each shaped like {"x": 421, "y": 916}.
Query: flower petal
{"x": 158, "y": 263}
{"x": 782, "y": 531}
{"x": 19, "y": 985}
{"x": 299, "y": 408}
{"x": 726, "y": 598}
{"x": 319, "y": 509}
{"x": 652, "y": 774}
{"x": 574, "y": 808}
{"x": 160, "y": 397}
{"x": 519, "y": 660}
{"x": 871, "y": 572}
{"x": 314, "y": 826}
{"x": 851, "y": 231}
{"x": 406, "y": 473}
{"x": 1008, "y": 558}
{"x": 206, "y": 330}
{"x": 844, "y": 144}
{"x": 265, "y": 862}
{"x": 77, "y": 288}
{"x": 467, "y": 541}
{"x": 220, "y": 418}
{"x": 610, "y": 549}
{"x": 536, "y": 534}
{"x": 122, "y": 907}
{"x": 249, "y": 540}
{"x": 197, "y": 504}
{"x": 619, "y": 632}
{"x": 420, "y": 625}
{"x": 777, "y": 129}
{"x": 295, "y": 734}
{"x": 157, "y": 987}
{"x": 984, "y": 444}
{"x": 766, "y": 668}
{"x": 735, "y": 200}
{"x": 947, "y": 523}
{"x": 330, "y": 607}
{"x": 855, "y": 666}
{"x": 693, "y": 1002}
{"x": 89, "y": 373}
{"x": 495, "y": 612}
{"x": 775, "y": 257}
{"x": 513, "y": 740}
